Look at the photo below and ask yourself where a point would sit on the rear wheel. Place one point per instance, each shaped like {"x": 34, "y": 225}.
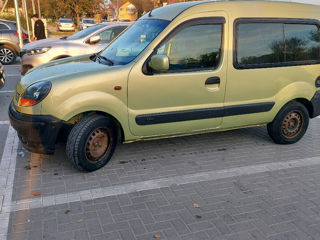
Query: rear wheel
{"x": 290, "y": 124}
{"x": 91, "y": 142}
{"x": 7, "y": 55}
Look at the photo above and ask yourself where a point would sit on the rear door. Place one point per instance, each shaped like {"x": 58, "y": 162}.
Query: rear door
{"x": 274, "y": 61}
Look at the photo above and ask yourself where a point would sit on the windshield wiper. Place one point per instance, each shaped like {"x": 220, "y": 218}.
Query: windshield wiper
{"x": 63, "y": 38}
{"x": 93, "y": 57}
{"x": 99, "y": 57}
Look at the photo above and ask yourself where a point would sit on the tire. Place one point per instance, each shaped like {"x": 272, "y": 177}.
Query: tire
{"x": 91, "y": 143}
{"x": 7, "y": 55}
{"x": 290, "y": 124}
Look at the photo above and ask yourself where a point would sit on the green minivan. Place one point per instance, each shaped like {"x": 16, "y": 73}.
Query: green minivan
{"x": 182, "y": 69}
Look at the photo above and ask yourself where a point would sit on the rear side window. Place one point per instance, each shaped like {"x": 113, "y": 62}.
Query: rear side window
{"x": 3, "y": 26}
{"x": 265, "y": 44}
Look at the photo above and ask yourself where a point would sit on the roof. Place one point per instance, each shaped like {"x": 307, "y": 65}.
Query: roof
{"x": 170, "y": 12}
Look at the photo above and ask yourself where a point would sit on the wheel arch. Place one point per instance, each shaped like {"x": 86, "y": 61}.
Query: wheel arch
{"x": 60, "y": 57}
{"x": 307, "y": 104}
{"x": 71, "y": 122}
{"x": 11, "y": 46}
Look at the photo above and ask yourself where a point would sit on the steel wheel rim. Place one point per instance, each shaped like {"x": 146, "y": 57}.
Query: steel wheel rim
{"x": 6, "y": 55}
{"x": 97, "y": 145}
{"x": 292, "y": 124}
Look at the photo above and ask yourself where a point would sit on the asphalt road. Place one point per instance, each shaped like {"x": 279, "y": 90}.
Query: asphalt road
{"x": 12, "y": 77}
{"x": 228, "y": 185}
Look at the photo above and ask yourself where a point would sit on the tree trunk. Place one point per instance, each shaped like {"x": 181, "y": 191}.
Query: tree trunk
{"x": 78, "y": 19}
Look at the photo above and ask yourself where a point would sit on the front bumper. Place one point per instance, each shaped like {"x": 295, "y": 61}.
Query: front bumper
{"x": 38, "y": 133}
{"x": 315, "y": 102}
{"x": 66, "y": 28}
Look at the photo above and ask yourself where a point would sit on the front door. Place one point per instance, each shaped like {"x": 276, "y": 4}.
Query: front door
{"x": 189, "y": 96}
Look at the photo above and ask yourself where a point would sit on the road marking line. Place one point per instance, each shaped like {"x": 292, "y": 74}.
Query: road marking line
{"x": 7, "y": 170}
{"x": 12, "y": 75}
{"x": 4, "y": 122}
{"x": 91, "y": 194}
{"x": 12, "y": 65}
{"x": 7, "y": 91}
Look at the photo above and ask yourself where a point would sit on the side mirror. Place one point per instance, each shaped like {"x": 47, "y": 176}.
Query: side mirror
{"x": 159, "y": 63}
{"x": 94, "y": 39}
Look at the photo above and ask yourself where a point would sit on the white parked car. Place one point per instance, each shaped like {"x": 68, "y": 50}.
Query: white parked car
{"x": 86, "y": 22}
{"x": 65, "y": 24}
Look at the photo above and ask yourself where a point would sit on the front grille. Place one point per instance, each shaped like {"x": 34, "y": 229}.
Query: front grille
{"x": 22, "y": 52}
{"x": 25, "y": 68}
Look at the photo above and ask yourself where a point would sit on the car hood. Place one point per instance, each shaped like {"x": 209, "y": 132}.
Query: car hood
{"x": 62, "y": 69}
{"x": 44, "y": 43}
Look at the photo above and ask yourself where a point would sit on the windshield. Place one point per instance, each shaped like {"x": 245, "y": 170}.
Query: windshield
{"x": 84, "y": 32}
{"x": 65, "y": 20}
{"x": 133, "y": 41}
{"x": 89, "y": 21}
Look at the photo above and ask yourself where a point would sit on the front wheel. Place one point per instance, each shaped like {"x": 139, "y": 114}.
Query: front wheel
{"x": 91, "y": 142}
{"x": 290, "y": 124}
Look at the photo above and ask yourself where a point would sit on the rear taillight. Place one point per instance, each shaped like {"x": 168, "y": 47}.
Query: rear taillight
{"x": 23, "y": 35}
{"x": 60, "y": 25}
{"x": 73, "y": 25}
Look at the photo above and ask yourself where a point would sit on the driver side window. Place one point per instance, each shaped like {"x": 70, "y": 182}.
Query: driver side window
{"x": 193, "y": 48}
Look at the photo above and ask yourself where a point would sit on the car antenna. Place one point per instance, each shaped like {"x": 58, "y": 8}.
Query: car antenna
{"x": 150, "y": 15}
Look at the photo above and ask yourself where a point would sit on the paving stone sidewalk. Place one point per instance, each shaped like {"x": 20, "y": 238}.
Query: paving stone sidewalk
{"x": 272, "y": 205}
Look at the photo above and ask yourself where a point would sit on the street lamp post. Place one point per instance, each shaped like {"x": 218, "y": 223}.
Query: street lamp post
{"x": 16, "y": 7}
{"x": 33, "y": 7}
{"x": 39, "y": 9}
{"x": 27, "y": 18}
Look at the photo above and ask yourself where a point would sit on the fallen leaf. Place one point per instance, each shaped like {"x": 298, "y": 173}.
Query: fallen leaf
{"x": 196, "y": 205}
{"x": 156, "y": 236}
{"x": 67, "y": 211}
{"x": 198, "y": 216}
{"x": 36, "y": 194}
{"x": 80, "y": 220}
{"x": 27, "y": 167}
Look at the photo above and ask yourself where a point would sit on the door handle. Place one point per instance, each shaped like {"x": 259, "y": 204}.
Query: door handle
{"x": 212, "y": 80}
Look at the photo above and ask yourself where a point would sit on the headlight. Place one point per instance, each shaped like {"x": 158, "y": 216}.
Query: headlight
{"x": 38, "y": 50}
{"x": 34, "y": 94}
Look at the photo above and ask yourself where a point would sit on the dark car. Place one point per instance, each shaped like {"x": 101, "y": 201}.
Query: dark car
{"x": 9, "y": 41}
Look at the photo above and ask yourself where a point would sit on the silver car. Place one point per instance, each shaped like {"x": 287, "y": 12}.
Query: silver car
{"x": 9, "y": 42}
{"x": 90, "y": 40}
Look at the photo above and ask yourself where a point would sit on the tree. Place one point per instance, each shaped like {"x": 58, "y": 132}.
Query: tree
{"x": 76, "y": 8}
